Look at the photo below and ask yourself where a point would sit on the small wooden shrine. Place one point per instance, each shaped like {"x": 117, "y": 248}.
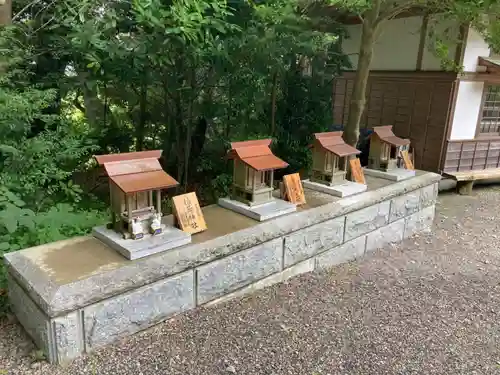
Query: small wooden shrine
{"x": 385, "y": 149}
{"x": 253, "y": 174}
{"x": 330, "y": 158}
{"x": 135, "y": 182}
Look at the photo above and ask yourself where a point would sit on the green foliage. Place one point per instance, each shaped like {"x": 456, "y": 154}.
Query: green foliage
{"x": 40, "y": 168}
{"x": 481, "y": 15}
{"x": 21, "y": 227}
{"x": 187, "y": 76}
{"x": 39, "y": 203}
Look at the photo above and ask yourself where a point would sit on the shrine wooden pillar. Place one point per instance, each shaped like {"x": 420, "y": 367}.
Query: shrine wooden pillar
{"x": 129, "y": 206}
{"x": 158, "y": 202}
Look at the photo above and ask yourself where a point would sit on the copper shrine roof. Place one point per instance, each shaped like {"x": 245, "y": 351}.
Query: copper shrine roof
{"x": 256, "y": 154}
{"x": 134, "y": 172}
{"x": 386, "y": 135}
{"x": 333, "y": 142}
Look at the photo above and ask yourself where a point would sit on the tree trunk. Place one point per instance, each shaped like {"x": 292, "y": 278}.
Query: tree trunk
{"x": 227, "y": 127}
{"x": 140, "y": 130}
{"x": 179, "y": 127}
{"x": 99, "y": 115}
{"x": 94, "y": 108}
{"x": 207, "y": 114}
{"x": 6, "y": 13}
{"x": 273, "y": 103}
{"x": 169, "y": 151}
{"x": 198, "y": 140}
{"x": 189, "y": 127}
{"x": 358, "y": 99}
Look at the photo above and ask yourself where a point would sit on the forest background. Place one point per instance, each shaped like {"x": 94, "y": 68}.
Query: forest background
{"x": 86, "y": 77}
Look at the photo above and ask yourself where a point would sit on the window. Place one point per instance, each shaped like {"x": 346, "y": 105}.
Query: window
{"x": 490, "y": 116}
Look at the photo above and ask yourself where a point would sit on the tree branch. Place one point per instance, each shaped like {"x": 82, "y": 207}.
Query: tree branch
{"x": 77, "y": 104}
{"x": 395, "y": 10}
{"x": 24, "y": 9}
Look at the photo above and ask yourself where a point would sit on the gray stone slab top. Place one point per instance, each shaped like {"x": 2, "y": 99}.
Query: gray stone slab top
{"x": 67, "y": 275}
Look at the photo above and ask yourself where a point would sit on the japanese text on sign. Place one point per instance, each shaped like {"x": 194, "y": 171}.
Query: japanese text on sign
{"x": 188, "y": 213}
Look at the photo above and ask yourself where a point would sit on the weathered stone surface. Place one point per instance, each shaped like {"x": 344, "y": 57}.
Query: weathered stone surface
{"x": 33, "y": 279}
{"x": 341, "y": 254}
{"x": 420, "y": 221}
{"x": 33, "y": 320}
{"x": 238, "y": 270}
{"x": 428, "y": 195}
{"x": 405, "y": 205}
{"x": 57, "y": 299}
{"x": 261, "y": 212}
{"x": 122, "y": 299}
{"x": 68, "y": 336}
{"x": 385, "y": 235}
{"x": 313, "y": 240}
{"x": 295, "y": 270}
{"x": 397, "y": 174}
{"x": 366, "y": 220}
{"x": 169, "y": 238}
{"x": 345, "y": 189}
{"x": 128, "y": 313}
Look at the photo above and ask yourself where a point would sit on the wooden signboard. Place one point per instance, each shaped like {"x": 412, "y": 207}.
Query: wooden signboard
{"x": 294, "y": 192}
{"x": 357, "y": 172}
{"x": 406, "y": 160}
{"x": 188, "y": 215}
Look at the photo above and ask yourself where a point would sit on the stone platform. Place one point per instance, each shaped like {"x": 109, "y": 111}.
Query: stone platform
{"x": 76, "y": 295}
{"x": 345, "y": 189}
{"x": 397, "y": 174}
{"x": 169, "y": 238}
{"x": 260, "y": 212}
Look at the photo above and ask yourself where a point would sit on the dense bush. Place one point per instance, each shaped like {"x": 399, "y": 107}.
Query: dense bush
{"x": 38, "y": 201}
{"x": 187, "y": 77}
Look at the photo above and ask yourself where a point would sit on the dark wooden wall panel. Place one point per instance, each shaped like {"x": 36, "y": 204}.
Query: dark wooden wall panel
{"x": 415, "y": 103}
{"x": 474, "y": 154}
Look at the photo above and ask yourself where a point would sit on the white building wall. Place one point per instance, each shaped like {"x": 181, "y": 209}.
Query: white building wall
{"x": 470, "y": 93}
{"x": 396, "y": 47}
{"x": 467, "y": 110}
{"x": 448, "y": 32}
{"x": 475, "y": 47}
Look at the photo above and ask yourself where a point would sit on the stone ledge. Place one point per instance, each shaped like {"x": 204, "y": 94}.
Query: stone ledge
{"x": 341, "y": 254}
{"x": 56, "y": 300}
{"x": 391, "y": 233}
{"x": 34, "y": 321}
{"x": 367, "y": 220}
{"x": 108, "y": 320}
{"x": 295, "y": 270}
{"x": 230, "y": 271}
{"x": 238, "y": 270}
{"x": 310, "y": 241}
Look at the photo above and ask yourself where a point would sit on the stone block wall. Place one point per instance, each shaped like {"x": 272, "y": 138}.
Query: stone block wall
{"x": 332, "y": 241}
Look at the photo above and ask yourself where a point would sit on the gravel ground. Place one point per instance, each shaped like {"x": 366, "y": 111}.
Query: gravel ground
{"x": 427, "y": 306}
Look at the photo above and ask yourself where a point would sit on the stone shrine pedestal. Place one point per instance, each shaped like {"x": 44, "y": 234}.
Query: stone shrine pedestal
{"x": 260, "y": 212}
{"x": 169, "y": 238}
{"x": 345, "y": 189}
{"x": 396, "y": 174}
